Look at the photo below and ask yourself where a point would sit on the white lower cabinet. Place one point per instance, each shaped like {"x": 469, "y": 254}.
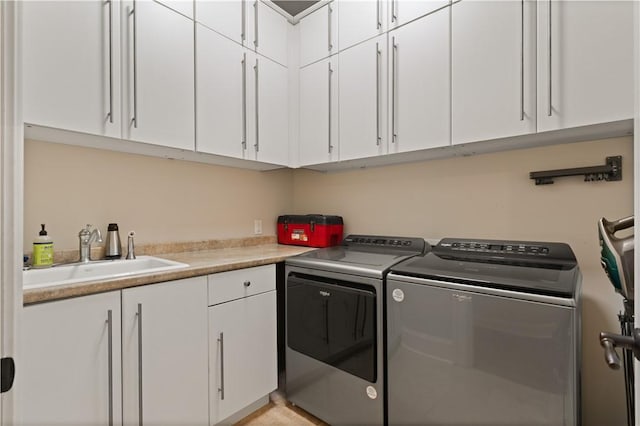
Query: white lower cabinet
{"x": 242, "y": 339}
{"x": 69, "y": 371}
{"x": 164, "y": 353}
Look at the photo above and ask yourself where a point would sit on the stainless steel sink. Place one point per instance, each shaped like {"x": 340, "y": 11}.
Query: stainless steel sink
{"x": 99, "y": 270}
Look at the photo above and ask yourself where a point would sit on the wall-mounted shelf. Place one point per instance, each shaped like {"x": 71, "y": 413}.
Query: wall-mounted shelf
{"x": 610, "y": 171}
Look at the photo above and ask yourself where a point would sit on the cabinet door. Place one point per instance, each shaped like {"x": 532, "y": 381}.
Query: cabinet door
{"x": 493, "y": 69}
{"x": 359, "y": 20}
{"x": 221, "y": 83}
{"x": 228, "y": 18}
{"x": 71, "y": 65}
{"x": 420, "y": 81}
{"x": 270, "y": 33}
{"x": 69, "y": 370}
{"x": 586, "y": 75}
{"x": 362, "y": 99}
{"x": 318, "y": 142}
{"x": 318, "y": 35}
{"x": 269, "y": 123}
{"x": 164, "y": 331}
{"x": 242, "y": 353}
{"x": 403, "y": 11}
{"x": 160, "y": 76}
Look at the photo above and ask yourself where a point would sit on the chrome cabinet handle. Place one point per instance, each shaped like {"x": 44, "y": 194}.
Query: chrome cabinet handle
{"x": 134, "y": 119}
{"x": 378, "y": 53}
{"x": 330, "y": 73}
{"x": 549, "y": 40}
{"x": 378, "y": 14}
{"x": 394, "y": 82}
{"x": 257, "y": 144}
{"x": 221, "y": 388}
{"x": 244, "y": 101}
{"x": 255, "y": 24}
{"x": 139, "y": 315}
{"x": 329, "y": 44}
{"x": 394, "y": 16}
{"x": 247, "y": 283}
{"x": 110, "y": 114}
{"x": 243, "y": 24}
{"x": 521, "y": 60}
{"x": 110, "y": 356}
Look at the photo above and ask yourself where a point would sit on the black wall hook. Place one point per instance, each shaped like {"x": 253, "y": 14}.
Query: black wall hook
{"x": 611, "y": 171}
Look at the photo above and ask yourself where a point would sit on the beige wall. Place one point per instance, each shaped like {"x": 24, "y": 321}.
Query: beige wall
{"x": 482, "y": 196}
{"x": 491, "y": 196}
{"x": 163, "y": 200}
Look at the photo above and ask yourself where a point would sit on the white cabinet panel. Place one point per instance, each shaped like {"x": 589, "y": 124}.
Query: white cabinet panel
{"x": 184, "y": 7}
{"x": 221, "y": 84}
{"x": 359, "y": 20}
{"x": 493, "y": 69}
{"x": 64, "y": 370}
{"x": 419, "y": 113}
{"x": 318, "y": 34}
{"x": 242, "y": 353}
{"x": 270, "y": 118}
{"x": 160, "y": 76}
{"x": 173, "y": 350}
{"x": 228, "y": 17}
{"x": 270, "y": 33}
{"x": 588, "y": 70}
{"x": 403, "y": 11}
{"x": 318, "y": 141}
{"x": 71, "y": 65}
{"x": 227, "y": 286}
{"x": 362, "y": 99}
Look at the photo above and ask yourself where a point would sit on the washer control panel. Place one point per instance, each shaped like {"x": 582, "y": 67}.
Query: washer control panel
{"x": 497, "y": 248}
{"x": 398, "y": 243}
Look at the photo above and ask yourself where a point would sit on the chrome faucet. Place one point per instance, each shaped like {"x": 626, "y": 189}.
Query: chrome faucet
{"x": 87, "y": 236}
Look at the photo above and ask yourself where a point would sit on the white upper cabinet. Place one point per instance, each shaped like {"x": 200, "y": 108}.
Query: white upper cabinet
{"x": 318, "y": 34}
{"x": 159, "y": 76}
{"x": 270, "y": 32}
{"x": 585, "y": 63}
{"x": 362, "y": 99}
{"x": 359, "y": 20}
{"x": 71, "y": 65}
{"x": 403, "y": 11}
{"x": 318, "y": 140}
{"x": 228, "y": 17}
{"x": 419, "y": 110}
{"x": 268, "y": 106}
{"x": 165, "y": 353}
{"x": 221, "y": 105}
{"x": 184, "y": 7}
{"x": 493, "y": 69}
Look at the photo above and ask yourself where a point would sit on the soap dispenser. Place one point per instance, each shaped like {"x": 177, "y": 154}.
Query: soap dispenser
{"x": 113, "y": 247}
{"x": 42, "y": 250}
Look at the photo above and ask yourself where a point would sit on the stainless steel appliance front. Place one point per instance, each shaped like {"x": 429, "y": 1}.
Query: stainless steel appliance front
{"x": 334, "y": 354}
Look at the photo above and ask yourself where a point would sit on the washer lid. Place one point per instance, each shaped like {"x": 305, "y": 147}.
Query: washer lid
{"x": 487, "y": 266}
{"x": 368, "y": 261}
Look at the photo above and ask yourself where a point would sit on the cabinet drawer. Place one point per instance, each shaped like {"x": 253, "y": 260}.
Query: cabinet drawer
{"x": 232, "y": 285}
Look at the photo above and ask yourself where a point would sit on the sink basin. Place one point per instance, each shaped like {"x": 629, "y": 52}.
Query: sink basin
{"x": 99, "y": 270}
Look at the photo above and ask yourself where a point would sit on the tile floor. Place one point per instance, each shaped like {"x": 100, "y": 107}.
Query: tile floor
{"x": 279, "y": 411}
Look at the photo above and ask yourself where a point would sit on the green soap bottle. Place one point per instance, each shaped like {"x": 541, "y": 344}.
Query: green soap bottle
{"x": 42, "y": 250}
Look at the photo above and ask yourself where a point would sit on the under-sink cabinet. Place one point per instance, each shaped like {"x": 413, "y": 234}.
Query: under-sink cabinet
{"x": 164, "y": 353}
{"x": 242, "y": 339}
{"x": 192, "y": 351}
{"x": 69, "y": 367}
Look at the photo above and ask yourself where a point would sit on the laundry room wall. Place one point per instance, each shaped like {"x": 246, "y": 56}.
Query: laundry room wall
{"x": 491, "y": 196}
{"x": 163, "y": 200}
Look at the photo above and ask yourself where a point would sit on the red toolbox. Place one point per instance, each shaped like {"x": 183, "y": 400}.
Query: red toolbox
{"x": 311, "y": 230}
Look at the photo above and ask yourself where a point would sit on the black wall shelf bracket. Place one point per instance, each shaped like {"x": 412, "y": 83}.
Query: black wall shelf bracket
{"x": 611, "y": 171}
